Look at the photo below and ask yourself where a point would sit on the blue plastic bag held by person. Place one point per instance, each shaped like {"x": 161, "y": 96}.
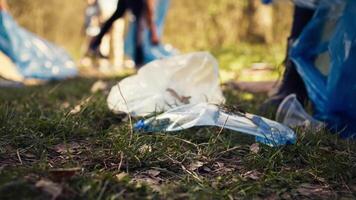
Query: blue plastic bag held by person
{"x": 34, "y": 57}
{"x": 307, "y": 3}
{"x": 151, "y": 52}
{"x": 325, "y": 56}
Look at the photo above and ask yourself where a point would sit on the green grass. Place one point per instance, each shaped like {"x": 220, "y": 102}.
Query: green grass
{"x": 37, "y": 135}
{"x": 234, "y": 60}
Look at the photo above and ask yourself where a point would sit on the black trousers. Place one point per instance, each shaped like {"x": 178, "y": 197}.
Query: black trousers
{"x": 293, "y": 82}
{"x": 137, "y": 7}
{"x": 301, "y": 18}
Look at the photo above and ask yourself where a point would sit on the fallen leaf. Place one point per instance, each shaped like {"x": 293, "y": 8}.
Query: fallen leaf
{"x": 286, "y": 196}
{"x": 76, "y": 110}
{"x": 99, "y": 86}
{"x": 219, "y": 164}
{"x": 65, "y": 105}
{"x": 153, "y": 173}
{"x": 253, "y": 175}
{"x": 145, "y": 149}
{"x": 310, "y": 190}
{"x": 182, "y": 99}
{"x": 195, "y": 165}
{"x": 67, "y": 148}
{"x": 121, "y": 176}
{"x": 255, "y": 148}
{"x": 64, "y": 173}
{"x": 54, "y": 189}
{"x": 153, "y": 182}
{"x": 78, "y": 107}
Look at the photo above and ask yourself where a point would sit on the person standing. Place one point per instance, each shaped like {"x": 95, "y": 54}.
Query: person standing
{"x": 143, "y": 10}
{"x": 292, "y": 81}
{"x": 113, "y": 42}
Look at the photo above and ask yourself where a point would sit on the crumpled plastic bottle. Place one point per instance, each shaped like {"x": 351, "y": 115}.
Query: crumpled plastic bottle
{"x": 291, "y": 113}
{"x": 204, "y": 114}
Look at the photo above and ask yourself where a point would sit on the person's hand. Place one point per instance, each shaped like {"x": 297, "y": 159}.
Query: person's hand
{"x": 3, "y": 5}
{"x": 154, "y": 38}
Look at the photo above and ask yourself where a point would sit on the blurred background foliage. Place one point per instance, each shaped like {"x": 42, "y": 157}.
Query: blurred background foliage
{"x": 224, "y": 27}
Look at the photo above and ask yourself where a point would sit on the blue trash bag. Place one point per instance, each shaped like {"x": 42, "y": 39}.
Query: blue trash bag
{"x": 330, "y": 36}
{"x": 308, "y": 3}
{"x": 151, "y": 52}
{"x": 34, "y": 57}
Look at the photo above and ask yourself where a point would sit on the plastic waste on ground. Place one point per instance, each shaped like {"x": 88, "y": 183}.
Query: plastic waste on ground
{"x": 325, "y": 56}
{"x": 168, "y": 83}
{"x": 33, "y": 57}
{"x": 151, "y": 52}
{"x": 204, "y": 114}
{"x": 291, "y": 113}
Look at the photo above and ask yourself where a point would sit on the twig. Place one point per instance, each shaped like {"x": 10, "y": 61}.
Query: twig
{"x": 121, "y": 159}
{"x": 128, "y": 113}
{"x": 228, "y": 150}
{"x": 180, "y": 139}
{"x": 18, "y": 156}
{"x": 221, "y": 130}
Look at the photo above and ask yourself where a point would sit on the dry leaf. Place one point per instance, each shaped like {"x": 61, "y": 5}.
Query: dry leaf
{"x": 65, "y": 105}
{"x": 253, "y": 175}
{"x": 99, "y": 86}
{"x": 121, "y": 176}
{"x": 145, "y": 149}
{"x": 182, "y": 99}
{"x": 195, "y": 165}
{"x": 67, "y": 148}
{"x": 64, "y": 173}
{"x": 153, "y": 173}
{"x": 78, "y": 107}
{"x": 255, "y": 148}
{"x": 145, "y": 178}
{"x": 76, "y": 110}
{"x": 54, "y": 189}
{"x": 310, "y": 190}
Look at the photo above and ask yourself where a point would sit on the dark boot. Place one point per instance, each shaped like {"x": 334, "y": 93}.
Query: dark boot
{"x": 292, "y": 83}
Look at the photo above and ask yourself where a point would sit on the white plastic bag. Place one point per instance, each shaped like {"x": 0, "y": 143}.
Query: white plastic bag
{"x": 184, "y": 117}
{"x": 168, "y": 83}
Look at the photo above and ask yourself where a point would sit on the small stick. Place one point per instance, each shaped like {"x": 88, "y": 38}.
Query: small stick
{"x": 18, "y": 156}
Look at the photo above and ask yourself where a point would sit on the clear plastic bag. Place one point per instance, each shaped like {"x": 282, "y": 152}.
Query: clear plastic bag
{"x": 205, "y": 114}
{"x": 168, "y": 83}
{"x": 33, "y": 56}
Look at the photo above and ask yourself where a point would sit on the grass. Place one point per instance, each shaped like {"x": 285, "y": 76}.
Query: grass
{"x": 97, "y": 156}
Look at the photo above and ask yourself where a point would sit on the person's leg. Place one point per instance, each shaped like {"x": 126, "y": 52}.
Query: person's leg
{"x": 120, "y": 11}
{"x": 138, "y": 7}
{"x": 292, "y": 81}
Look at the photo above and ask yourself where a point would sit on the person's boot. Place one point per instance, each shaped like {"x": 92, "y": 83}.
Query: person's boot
{"x": 292, "y": 83}
{"x": 93, "y": 50}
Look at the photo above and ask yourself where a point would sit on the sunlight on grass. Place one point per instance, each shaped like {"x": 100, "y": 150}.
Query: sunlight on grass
{"x": 237, "y": 63}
